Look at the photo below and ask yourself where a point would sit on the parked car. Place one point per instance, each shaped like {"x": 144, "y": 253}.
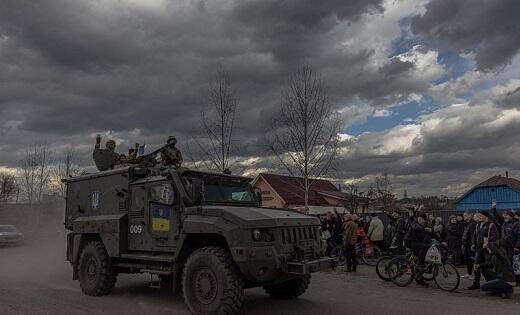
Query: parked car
{"x": 9, "y": 235}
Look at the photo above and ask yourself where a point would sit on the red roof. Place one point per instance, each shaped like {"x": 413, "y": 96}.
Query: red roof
{"x": 291, "y": 189}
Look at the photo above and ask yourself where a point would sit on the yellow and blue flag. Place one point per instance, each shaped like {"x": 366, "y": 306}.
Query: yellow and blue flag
{"x": 160, "y": 215}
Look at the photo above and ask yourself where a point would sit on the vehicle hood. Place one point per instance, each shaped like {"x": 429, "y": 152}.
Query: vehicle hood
{"x": 253, "y": 217}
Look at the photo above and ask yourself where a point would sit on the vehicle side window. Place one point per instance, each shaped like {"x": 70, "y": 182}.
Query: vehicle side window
{"x": 138, "y": 203}
{"x": 212, "y": 192}
{"x": 161, "y": 193}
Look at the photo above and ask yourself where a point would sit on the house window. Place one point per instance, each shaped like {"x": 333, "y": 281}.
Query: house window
{"x": 266, "y": 192}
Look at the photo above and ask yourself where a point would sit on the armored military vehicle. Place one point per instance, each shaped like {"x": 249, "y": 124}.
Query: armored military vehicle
{"x": 199, "y": 231}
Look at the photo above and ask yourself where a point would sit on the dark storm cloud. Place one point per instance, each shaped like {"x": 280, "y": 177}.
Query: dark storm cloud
{"x": 302, "y": 23}
{"x": 138, "y": 71}
{"x": 82, "y": 67}
{"x": 62, "y": 32}
{"x": 490, "y": 29}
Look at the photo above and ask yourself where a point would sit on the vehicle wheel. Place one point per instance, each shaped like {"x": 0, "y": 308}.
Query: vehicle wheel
{"x": 212, "y": 283}
{"x": 401, "y": 272}
{"x": 289, "y": 290}
{"x": 372, "y": 258}
{"x": 96, "y": 276}
{"x": 446, "y": 277}
{"x": 382, "y": 268}
{"x": 337, "y": 254}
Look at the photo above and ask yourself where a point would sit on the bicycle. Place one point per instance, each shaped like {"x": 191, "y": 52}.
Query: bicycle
{"x": 383, "y": 263}
{"x": 366, "y": 253}
{"x": 402, "y": 271}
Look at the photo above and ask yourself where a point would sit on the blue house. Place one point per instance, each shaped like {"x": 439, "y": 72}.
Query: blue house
{"x": 504, "y": 192}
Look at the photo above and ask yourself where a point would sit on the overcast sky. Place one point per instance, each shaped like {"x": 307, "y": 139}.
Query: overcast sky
{"x": 429, "y": 90}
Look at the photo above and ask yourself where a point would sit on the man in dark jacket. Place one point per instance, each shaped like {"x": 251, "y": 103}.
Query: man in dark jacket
{"x": 397, "y": 231}
{"x": 486, "y": 232}
{"x": 498, "y": 272}
{"x": 454, "y": 232}
{"x": 510, "y": 234}
{"x": 468, "y": 241}
{"x": 510, "y": 237}
{"x": 419, "y": 239}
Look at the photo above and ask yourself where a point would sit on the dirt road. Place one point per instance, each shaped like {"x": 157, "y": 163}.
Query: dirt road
{"x": 35, "y": 279}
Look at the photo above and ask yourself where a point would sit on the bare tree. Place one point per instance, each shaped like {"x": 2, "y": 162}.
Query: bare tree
{"x": 355, "y": 197}
{"x": 382, "y": 192}
{"x": 218, "y": 123}
{"x": 8, "y": 186}
{"x": 306, "y": 128}
{"x": 64, "y": 168}
{"x": 35, "y": 172}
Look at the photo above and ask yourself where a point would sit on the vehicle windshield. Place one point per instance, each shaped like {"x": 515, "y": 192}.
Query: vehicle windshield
{"x": 7, "y": 228}
{"x": 228, "y": 191}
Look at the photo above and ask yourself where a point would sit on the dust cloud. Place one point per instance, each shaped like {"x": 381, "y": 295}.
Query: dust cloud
{"x": 41, "y": 258}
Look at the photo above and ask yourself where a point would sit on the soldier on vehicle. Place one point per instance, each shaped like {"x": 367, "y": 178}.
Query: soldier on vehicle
{"x": 107, "y": 158}
{"x": 132, "y": 154}
{"x": 170, "y": 155}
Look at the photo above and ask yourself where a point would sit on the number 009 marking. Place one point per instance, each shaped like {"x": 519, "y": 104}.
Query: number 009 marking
{"x": 136, "y": 229}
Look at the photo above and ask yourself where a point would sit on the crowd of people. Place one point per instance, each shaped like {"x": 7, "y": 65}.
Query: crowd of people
{"x": 486, "y": 242}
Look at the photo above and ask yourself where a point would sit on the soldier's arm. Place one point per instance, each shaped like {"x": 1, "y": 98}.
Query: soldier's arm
{"x": 179, "y": 156}
{"x": 164, "y": 157}
{"x": 98, "y": 142}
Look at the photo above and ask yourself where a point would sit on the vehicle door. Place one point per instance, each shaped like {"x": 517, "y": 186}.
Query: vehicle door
{"x": 153, "y": 217}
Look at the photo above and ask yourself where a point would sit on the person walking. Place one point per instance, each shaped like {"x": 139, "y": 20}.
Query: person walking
{"x": 349, "y": 242}
{"x": 376, "y": 231}
{"x": 454, "y": 239}
{"x": 468, "y": 240}
{"x": 486, "y": 233}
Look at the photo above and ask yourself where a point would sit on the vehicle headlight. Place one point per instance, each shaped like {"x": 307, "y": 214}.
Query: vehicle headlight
{"x": 257, "y": 235}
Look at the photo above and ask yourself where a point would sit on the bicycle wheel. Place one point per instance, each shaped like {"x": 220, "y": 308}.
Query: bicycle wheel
{"x": 401, "y": 272}
{"x": 446, "y": 277}
{"x": 382, "y": 268}
{"x": 370, "y": 257}
{"x": 338, "y": 255}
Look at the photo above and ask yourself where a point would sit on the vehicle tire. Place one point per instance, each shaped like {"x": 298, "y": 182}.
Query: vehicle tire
{"x": 371, "y": 260}
{"x": 96, "y": 276}
{"x": 289, "y": 290}
{"x": 446, "y": 277}
{"x": 401, "y": 272}
{"x": 338, "y": 255}
{"x": 382, "y": 268}
{"x": 212, "y": 283}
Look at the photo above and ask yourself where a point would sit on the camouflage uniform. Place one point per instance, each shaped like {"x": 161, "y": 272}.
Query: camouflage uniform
{"x": 170, "y": 155}
{"x": 132, "y": 155}
{"x": 110, "y": 157}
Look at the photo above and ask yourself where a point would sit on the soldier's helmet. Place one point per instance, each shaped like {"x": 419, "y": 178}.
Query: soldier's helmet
{"x": 171, "y": 139}
{"x": 110, "y": 143}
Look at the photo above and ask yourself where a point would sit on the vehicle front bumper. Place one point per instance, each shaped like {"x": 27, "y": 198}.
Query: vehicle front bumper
{"x": 307, "y": 267}
{"x": 262, "y": 264}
